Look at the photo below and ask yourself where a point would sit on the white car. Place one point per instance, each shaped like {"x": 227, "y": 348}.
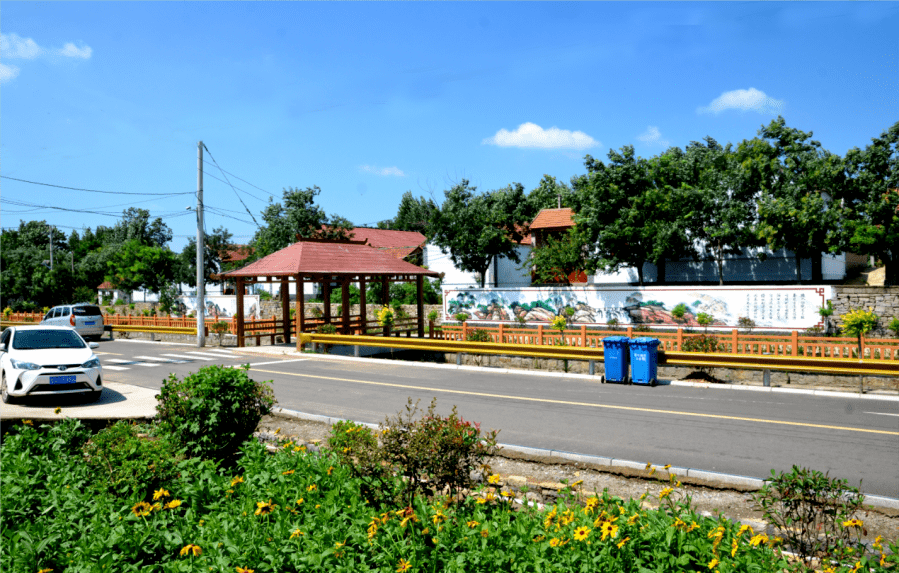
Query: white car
{"x": 47, "y": 361}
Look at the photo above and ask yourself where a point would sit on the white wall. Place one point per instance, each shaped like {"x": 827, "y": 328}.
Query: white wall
{"x": 508, "y": 274}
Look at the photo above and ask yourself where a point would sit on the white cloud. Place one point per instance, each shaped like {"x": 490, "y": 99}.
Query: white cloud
{"x": 654, "y": 136}
{"x": 532, "y": 135}
{"x": 8, "y": 72}
{"x": 383, "y": 171}
{"x": 70, "y": 50}
{"x": 744, "y": 100}
{"x": 15, "y": 46}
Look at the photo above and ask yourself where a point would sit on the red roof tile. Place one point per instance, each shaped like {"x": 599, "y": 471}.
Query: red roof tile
{"x": 386, "y": 238}
{"x": 105, "y": 285}
{"x": 237, "y": 253}
{"x": 553, "y": 219}
{"x": 316, "y": 256}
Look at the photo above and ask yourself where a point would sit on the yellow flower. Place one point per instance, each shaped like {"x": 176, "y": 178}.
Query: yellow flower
{"x": 47, "y": 570}
{"x": 288, "y": 444}
{"x": 472, "y": 524}
{"x": 554, "y": 542}
{"x": 141, "y": 509}
{"x": 539, "y": 538}
{"x": 758, "y": 539}
{"x": 667, "y": 466}
{"x": 733, "y": 547}
{"x": 287, "y": 473}
{"x": 622, "y": 542}
{"x": 330, "y": 469}
{"x": 494, "y": 479}
{"x": 243, "y": 570}
{"x": 28, "y": 422}
{"x": 236, "y": 481}
{"x": 608, "y": 529}
{"x": 853, "y": 523}
{"x": 744, "y": 528}
{"x": 57, "y": 410}
{"x": 312, "y": 487}
{"x": 296, "y": 533}
{"x": 508, "y": 494}
{"x": 632, "y": 519}
{"x": 485, "y": 532}
{"x": 581, "y": 533}
{"x": 191, "y": 549}
{"x": 665, "y": 493}
{"x": 300, "y": 501}
{"x": 713, "y": 563}
{"x": 264, "y": 507}
{"x": 160, "y": 493}
{"x": 591, "y": 503}
{"x": 577, "y": 483}
{"x": 403, "y": 566}
{"x": 339, "y": 544}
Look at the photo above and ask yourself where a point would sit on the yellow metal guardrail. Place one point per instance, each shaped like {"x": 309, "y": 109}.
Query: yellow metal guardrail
{"x": 845, "y": 366}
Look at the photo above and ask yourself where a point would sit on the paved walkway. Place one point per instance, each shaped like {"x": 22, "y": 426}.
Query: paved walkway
{"x": 118, "y": 402}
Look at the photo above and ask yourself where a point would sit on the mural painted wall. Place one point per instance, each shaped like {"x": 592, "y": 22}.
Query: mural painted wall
{"x": 224, "y": 305}
{"x": 785, "y": 308}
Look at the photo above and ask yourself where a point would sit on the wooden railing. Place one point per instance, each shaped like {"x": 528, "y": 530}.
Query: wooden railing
{"x": 734, "y": 342}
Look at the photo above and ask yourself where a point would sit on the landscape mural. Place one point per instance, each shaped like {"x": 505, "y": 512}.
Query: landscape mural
{"x": 772, "y": 307}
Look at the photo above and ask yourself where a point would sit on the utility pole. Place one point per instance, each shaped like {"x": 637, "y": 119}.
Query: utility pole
{"x": 201, "y": 247}
{"x": 51, "y": 248}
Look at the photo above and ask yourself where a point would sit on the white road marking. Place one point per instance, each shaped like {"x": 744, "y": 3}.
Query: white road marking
{"x": 190, "y": 357}
{"x": 278, "y": 362}
{"x": 121, "y": 360}
{"x": 217, "y": 351}
{"x": 163, "y": 360}
{"x": 881, "y": 414}
{"x": 204, "y": 354}
{"x": 108, "y": 367}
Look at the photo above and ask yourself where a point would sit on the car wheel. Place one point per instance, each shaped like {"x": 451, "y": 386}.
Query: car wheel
{"x": 93, "y": 396}
{"x": 4, "y": 394}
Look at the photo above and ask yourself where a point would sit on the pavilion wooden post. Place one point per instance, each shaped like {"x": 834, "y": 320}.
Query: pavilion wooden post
{"x": 240, "y": 341}
{"x": 301, "y": 311}
{"x": 285, "y": 309}
{"x": 326, "y": 296}
{"x": 419, "y": 283}
{"x": 385, "y": 298}
{"x": 362, "y": 310}
{"x": 345, "y": 304}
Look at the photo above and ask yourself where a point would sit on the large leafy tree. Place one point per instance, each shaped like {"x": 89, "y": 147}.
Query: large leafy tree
{"x": 632, "y": 211}
{"x": 474, "y": 228}
{"x": 136, "y": 225}
{"x": 296, "y": 214}
{"x": 549, "y": 194}
{"x": 871, "y": 198}
{"x": 558, "y": 257}
{"x": 27, "y": 281}
{"x": 799, "y": 180}
{"x": 412, "y": 215}
{"x": 218, "y": 243}
{"x": 722, "y": 202}
{"x": 137, "y": 266}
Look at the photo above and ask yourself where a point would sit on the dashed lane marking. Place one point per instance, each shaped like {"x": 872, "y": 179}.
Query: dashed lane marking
{"x": 109, "y": 367}
{"x": 882, "y": 413}
{"x": 207, "y": 354}
{"x": 163, "y": 360}
{"x": 188, "y": 357}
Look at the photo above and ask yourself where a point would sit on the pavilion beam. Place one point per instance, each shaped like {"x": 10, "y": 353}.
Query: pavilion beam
{"x": 362, "y": 309}
{"x": 420, "y": 308}
{"x": 285, "y": 308}
{"x": 345, "y": 304}
{"x": 239, "y": 288}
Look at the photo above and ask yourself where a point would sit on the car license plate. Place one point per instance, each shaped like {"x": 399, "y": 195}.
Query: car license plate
{"x": 69, "y": 379}
{"x": 90, "y": 323}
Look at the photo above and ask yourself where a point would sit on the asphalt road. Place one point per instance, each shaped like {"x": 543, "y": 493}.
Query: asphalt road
{"x": 737, "y": 432}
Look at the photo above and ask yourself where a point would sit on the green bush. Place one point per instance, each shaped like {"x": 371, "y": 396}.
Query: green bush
{"x": 894, "y": 327}
{"x": 479, "y": 335}
{"x": 326, "y": 329}
{"x": 84, "y": 293}
{"x": 461, "y": 316}
{"x": 264, "y": 295}
{"x": 815, "y": 513}
{"x": 433, "y": 316}
{"x": 679, "y": 311}
{"x": 127, "y": 460}
{"x": 213, "y": 411}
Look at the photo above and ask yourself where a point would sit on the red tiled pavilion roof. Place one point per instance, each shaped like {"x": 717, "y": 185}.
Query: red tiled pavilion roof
{"x": 317, "y": 256}
{"x": 105, "y": 285}
{"x": 553, "y": 219}
{"x": 399, "y": 244}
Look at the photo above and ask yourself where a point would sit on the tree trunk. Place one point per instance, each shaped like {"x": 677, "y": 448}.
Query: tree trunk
{"x": 817, "y": 271}
{"x": 798, "y": 268}
{"x": 720, "y": 262}
{"x": 660, "y": 271}
{"x": 640, "y": 273}
{"x": 891, "y": 272}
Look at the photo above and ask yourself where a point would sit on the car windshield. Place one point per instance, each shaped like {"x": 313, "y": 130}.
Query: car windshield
{"x": 42, "y": 339}
{"x": 85, "y": 310}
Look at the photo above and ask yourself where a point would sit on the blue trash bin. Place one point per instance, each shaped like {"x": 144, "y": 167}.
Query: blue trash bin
{"x": 644, "y": 360}
{"x": 615, "y": 358}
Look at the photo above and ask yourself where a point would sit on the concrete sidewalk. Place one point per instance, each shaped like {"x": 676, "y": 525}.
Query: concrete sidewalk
{"x": 118, "y": 402}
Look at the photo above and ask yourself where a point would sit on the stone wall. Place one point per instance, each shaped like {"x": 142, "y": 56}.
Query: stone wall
{"x": 884, "y": 301}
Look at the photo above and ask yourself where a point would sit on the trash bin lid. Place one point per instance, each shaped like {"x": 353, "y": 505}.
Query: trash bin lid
{"x": 615, "y": 339}
{"x": 645, "y": 341}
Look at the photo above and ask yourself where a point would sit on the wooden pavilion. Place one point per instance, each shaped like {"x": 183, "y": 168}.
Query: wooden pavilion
{"x": 327, "y": 262}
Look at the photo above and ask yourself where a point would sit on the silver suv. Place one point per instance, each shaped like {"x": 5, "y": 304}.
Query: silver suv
{"x": 86, "y": 319}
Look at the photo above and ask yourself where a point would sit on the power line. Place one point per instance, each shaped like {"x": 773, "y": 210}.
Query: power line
{"x": 232, "y": 186}
{"x": 91, "y": 190}
{"x": 239, "y": 179}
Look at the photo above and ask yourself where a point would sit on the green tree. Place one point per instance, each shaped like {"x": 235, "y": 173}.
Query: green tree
{"x": 475, "y": 228}
{"x": 218, "y": 243}
{"x": 136, "y": 225}
{"x": 135, "y": 266}
{"x": 799, "y": 182}
{"x": 296, "y": 215}
{"x": 558, "y": 257}
{"x": 547, "y": 195}
{"x": 871, "y": 197}
{"x": 413, "y": 215}
{"x": 633, "y": 211}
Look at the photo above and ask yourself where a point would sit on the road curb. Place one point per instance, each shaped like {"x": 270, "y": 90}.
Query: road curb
{"x": 710, "y": 476}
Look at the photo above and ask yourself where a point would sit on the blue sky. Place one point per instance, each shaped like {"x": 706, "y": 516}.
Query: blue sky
{"x": 369, "y": 100}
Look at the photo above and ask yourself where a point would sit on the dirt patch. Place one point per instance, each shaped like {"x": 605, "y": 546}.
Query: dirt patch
{"x": 546, "y": 475}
